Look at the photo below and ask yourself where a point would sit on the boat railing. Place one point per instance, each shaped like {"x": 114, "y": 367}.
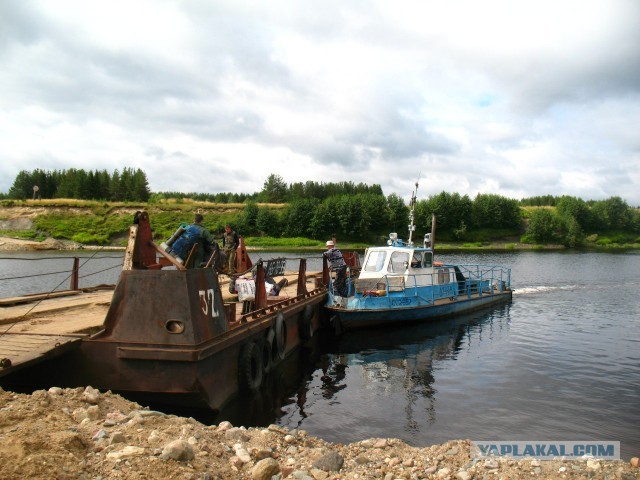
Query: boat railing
{"x": 473, "y": 280}
{"x": 484, "y": 279}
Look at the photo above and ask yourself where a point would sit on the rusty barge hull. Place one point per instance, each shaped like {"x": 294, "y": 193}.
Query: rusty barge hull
{"x": 154, "y": 349}
{"x": 170, "y": 336}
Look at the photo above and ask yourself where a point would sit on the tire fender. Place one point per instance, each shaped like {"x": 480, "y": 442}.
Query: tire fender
{"x": 266, "y": 354}
{"x": 305, "y": 327}
{"x": 250, "y": 367}
{"x": 281, "y": 335}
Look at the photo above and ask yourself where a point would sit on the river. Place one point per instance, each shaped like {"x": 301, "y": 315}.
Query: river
{"x": 561, "y": 362}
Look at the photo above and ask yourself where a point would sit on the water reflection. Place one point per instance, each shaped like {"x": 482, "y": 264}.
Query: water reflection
{"x": 398, "y": 367}
{"x": 363, "y": 378}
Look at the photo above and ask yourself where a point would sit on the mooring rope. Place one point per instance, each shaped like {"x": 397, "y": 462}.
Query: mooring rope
{"x": 36, "y": 275}
{"x": 48, "y": 294}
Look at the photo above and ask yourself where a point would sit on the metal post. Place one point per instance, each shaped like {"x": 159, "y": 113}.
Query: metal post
{"x": 261, "y": 294}
{"x": 325, "y": 271}
{"x": 302, "y": 277}
{"x": 74, "y": 273}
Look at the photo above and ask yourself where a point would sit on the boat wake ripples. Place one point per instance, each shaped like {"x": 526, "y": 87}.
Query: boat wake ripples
{"x": 543, "y": 289}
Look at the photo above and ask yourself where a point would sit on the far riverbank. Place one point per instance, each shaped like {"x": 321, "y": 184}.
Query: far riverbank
{"x": 10, "y": 244}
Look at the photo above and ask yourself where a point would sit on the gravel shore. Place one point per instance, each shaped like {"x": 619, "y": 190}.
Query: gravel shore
{"x": 85, "y": 434}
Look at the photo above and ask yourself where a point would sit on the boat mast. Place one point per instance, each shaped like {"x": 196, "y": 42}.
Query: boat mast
{"x": 412, "y": 226}
{"x": 432, "y": 238}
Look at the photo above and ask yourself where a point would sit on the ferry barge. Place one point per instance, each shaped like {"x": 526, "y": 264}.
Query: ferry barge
{"x": 169, "y": 335}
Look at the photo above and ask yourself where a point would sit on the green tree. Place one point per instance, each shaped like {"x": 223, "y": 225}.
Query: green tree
{"x": 45, "y": 182}
{"x": 126, "y": 184}
{"x": 274, "y": 190}
{"x": 322, "y": 223}
{"x": 268, "y": 222}
{"x": 576, "y": 208}
{"x": 22, "y": 187}
{"x": 68, "y": 186}
{"x": 612, "y": 214}
{"x": 495, "y": 211}
{"x": 298, "y": 217}
{"x": 398, "y": 213}
{"x": 374, "y": 215}
{"x": 451, "y": 210}
{"x": 539, "y": 201}
{"x": 103, "y": 184}
{"x": 542, "y": 226}
{"x": 573, "y": 236}
{"x": 138, "y": 187}
{"x": 250, "y": 216}
{"x": 116, "y": 187}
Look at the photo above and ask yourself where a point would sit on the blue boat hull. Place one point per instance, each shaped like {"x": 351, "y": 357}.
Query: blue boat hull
{"x": 351, "y": 319}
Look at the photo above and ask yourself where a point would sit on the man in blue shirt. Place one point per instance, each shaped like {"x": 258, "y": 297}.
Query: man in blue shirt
{"x": 194, "y": 233}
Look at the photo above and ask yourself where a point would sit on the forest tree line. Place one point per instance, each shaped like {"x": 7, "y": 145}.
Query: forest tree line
{"x": 127, "y": 186}
{"x": 367, "y": 217}
{"x": 358, "y": 212}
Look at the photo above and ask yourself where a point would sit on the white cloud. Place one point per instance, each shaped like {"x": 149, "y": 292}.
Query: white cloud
{"x": 516, "y": 98}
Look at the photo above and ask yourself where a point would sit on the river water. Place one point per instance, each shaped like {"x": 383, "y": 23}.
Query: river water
{"x": 560, "y": 362}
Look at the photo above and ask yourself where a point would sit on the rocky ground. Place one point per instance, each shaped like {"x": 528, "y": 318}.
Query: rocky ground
{"x": 85, "y": 434}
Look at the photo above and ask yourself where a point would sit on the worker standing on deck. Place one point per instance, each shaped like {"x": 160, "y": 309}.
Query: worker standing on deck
{"x": 339, "y": 266}
{"x": 195, "y": 233}
{"x": 230, "y": 244}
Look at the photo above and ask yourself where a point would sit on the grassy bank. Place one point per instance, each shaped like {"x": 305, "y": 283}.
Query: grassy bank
{"x": 107, "y": 224}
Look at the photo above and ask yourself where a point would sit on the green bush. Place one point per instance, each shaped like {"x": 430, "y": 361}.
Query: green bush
{"x": 282, "y": 242}
{"x": 90, "y": 239}
{"x": 25, "y": 234}
{"x": 604, "y": 242}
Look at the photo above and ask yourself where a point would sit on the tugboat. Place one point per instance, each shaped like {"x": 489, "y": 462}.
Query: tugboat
{"x": 401, "y": 282}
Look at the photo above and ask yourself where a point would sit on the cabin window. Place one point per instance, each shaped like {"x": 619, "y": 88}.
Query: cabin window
{"x": 375, "y": 261}
{"x": 428, "y": 259}
{"x": 399, "y": 262}
{"x": 416, "y": 261}
{"x": 443, "y": 276}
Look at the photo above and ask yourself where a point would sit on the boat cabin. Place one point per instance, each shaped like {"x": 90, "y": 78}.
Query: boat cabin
{"x": 414, "y": 265}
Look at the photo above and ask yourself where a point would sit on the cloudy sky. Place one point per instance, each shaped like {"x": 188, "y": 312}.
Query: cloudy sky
{"x": 515, "y": 97}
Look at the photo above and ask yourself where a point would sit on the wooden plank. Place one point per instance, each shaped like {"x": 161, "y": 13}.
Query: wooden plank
{"x": 19, "y": 351}
{"x": 60, "y": 316}
{"x": 4, "y": 302}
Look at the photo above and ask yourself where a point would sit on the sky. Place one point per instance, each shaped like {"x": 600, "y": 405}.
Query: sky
{"x": 511, "y": 97}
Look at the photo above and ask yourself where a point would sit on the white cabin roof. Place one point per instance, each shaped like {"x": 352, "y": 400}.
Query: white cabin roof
{"x": 396, "y": 260}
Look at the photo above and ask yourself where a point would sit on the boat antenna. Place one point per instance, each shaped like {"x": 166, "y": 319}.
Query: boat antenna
{"x": 412, "y": 205}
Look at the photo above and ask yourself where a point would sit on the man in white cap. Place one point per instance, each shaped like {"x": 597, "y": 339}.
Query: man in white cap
{"x": 338, "y": 265}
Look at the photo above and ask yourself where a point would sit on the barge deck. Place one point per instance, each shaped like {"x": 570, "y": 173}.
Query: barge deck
{"x": 36, "y": 328}
{"x": 172, "y": 332}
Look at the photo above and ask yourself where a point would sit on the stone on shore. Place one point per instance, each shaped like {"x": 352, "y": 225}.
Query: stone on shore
{"x": 329, "y": 462}
{"x": 265, "y": 469}
{"x": 178, "y": 450}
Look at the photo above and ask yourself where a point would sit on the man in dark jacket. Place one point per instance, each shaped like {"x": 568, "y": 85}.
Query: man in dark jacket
{"x": 230, "y": 242}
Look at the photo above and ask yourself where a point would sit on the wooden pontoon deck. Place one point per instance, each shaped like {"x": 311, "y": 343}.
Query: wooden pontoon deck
{"x": 35, "y": 328}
